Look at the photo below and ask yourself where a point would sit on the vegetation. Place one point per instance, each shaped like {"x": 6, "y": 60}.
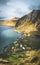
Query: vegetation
{"x": 29, "y": 55}
{"x": 26, "y": 51}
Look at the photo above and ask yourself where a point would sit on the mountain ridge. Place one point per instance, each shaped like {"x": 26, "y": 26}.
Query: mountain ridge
{"x": 29, "y": 23}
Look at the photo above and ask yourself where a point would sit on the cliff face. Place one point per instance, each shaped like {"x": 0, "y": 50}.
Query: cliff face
{"x": 34, "y": 17}
{"x": 29, "y": 23}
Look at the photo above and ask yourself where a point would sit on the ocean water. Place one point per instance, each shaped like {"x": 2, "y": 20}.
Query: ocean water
{"x": 7, "y": 36}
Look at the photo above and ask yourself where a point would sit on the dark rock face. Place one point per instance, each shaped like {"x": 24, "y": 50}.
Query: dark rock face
{"x": 21, "y": 21}
{"x": 34, "y": 17}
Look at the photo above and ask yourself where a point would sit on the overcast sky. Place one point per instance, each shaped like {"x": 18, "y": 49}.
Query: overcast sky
{"x": 17, "y": 8}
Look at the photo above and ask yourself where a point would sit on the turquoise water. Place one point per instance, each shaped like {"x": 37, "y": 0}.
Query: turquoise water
{"x": 7, "y": 36}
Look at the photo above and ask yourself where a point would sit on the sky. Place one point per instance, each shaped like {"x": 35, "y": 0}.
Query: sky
{"x": 17, "y": 8}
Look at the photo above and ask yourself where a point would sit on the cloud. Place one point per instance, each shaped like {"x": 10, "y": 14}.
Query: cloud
{"x": 2, "y": 18}
{"x": 3, "y": 2}
{"x": 34, "y": 7}
{"x": 17, "y": 8}
{"x": 39, "y": 7}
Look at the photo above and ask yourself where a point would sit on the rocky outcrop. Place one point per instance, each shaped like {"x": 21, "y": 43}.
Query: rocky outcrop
{"x": 34, "y": 17}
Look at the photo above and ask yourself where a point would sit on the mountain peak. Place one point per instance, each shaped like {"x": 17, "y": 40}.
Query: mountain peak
{"x": 33, "y": 17}
{"x": 29, "y": 23}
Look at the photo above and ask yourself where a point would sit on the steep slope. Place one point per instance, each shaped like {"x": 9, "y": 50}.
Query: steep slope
{"x": 29, "y": 23}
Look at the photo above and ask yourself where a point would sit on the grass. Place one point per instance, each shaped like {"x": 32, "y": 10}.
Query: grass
{"x": 28, "y": 58}
{"x": 18, "y": 56}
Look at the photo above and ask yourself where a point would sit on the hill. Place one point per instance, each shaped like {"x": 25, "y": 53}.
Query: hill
{"x": 29, "y": 23}
{"x": 10, "y": 22}
{"x": 26, "y": 49}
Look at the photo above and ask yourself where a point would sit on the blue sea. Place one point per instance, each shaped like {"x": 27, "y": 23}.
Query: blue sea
{"x": 7, "y": 36}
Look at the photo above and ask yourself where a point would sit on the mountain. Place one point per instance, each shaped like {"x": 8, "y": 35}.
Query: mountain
{"x": 26, "y": 49}
{"x": 10, "y": 22}
{"x": 29, "y": 23}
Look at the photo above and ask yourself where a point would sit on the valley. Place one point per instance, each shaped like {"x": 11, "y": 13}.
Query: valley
{"x": 23, "y": 41}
